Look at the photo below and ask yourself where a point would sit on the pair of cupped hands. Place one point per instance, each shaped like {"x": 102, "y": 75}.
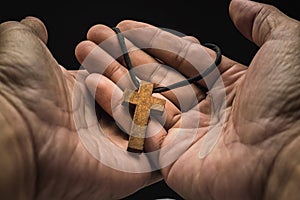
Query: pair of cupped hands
{"x": 253, "y": 108}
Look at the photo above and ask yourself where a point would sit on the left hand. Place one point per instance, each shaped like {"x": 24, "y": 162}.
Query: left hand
{"x": 42, "y": 156}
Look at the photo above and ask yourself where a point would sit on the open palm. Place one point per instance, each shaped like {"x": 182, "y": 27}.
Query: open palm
{"x": 44, "y": 102}
{"x": 248, "y": 111}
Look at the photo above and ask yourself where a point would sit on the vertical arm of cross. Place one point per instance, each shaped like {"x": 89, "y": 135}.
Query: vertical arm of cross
{"x": 144, "y": 102}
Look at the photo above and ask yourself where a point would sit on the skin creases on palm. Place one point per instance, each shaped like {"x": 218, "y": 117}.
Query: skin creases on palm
{"x": 216, "y": 157}
{"x": 216, "y": 152}
{"x": 42, "y": 93}
{"x": 260, "y": 120}
{"x": 260, "y": 115}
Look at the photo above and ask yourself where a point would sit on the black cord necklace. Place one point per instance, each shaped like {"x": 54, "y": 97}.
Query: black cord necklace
{"x": 143, "y": 99}
{"x": 135, "y": 81}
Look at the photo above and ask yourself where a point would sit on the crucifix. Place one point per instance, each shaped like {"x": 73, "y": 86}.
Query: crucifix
{"x": 144, "y": 103}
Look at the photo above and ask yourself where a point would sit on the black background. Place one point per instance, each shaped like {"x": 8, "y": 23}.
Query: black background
{"x": 208, "y": 20}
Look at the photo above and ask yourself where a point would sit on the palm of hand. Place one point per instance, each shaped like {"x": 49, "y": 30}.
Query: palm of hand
{"x": 260, "y": 121}
{"x": 43, "y": 92}
{"x": 256, "y": 121}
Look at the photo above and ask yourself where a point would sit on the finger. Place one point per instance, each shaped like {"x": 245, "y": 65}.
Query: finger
{"x": 171, "y": 49}
{"x": 37, "y": 26}
{"x": 189, "y": 58}
{"x": 278, "y": 37}
{"x": 146, "y": 67}
{"x": 258, "y": 21}
{"x": 109, "y": 97}
{"x": 32, "y": 24}
{"x": 191, "y": 39}
{"x": 106, "y": 38}
{"x": 101, "y": 86}
{"x": 96, "y": 60}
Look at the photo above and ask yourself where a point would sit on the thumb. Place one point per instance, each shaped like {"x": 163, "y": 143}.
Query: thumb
{"x": 37, "y": 26}
{"x": 259, "y": 22}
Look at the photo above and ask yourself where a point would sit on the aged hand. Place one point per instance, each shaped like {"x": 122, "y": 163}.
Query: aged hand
{"x": 41, "y": 154}
{"x": 253, "y": 110}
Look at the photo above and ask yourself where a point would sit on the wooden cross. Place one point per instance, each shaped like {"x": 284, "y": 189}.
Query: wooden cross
{"x": 144, "y": 102}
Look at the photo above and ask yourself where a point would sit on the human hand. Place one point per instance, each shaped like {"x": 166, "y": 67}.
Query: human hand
{"x": 259, "y": 116}
{"x": 41, "y": 154}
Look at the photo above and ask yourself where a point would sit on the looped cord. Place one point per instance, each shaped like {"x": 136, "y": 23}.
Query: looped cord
{"x": 175, "y": 85}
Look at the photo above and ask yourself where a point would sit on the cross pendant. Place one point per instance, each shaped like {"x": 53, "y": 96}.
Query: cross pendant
{"x": 144, "y": 103}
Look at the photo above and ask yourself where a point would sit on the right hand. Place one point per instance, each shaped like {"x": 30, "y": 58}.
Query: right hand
{"x": 261, "y": 109}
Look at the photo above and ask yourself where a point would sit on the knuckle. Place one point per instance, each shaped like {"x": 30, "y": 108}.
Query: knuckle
{"x": 112, "y": 69}
{"x": 181, "y": 55}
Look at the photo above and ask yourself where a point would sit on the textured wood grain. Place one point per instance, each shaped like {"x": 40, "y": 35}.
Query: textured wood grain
{"x": 144, "y": 102}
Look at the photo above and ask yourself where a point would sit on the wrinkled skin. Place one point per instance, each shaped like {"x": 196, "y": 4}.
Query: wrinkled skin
{"x": 256, "y": 155}
{"x": 41, "y": 154}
